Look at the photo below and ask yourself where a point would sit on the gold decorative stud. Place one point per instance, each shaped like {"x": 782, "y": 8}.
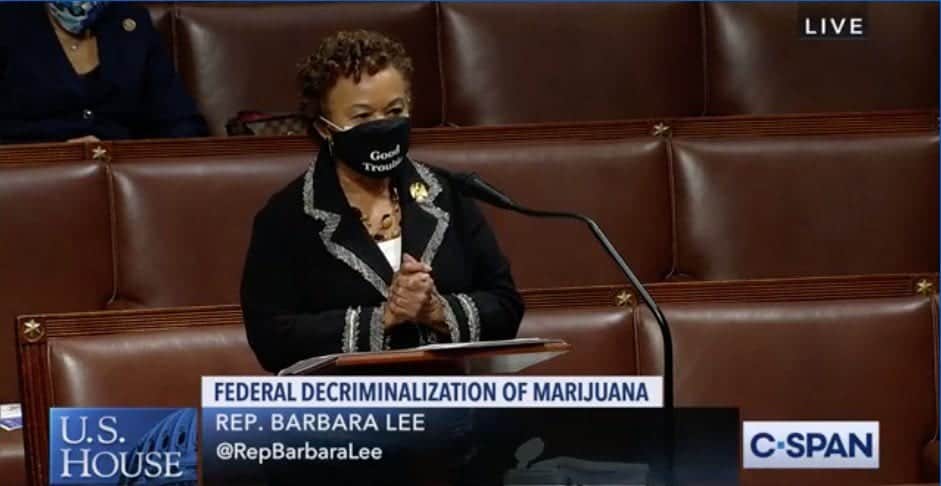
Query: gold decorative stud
{"x": 660, "y": 129}
{"x": 129, "y": 25}
{"x": 924, "y": 287}
{"x": 100, "y": 153}
{"x": 419, "y": 191}
{"x": 33, "y": 331}
{"x": 624, "y": 298}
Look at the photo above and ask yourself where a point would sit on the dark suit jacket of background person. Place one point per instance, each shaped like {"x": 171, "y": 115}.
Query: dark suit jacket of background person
{"x": 43, "y": 99}
{"x": 314, "y": 278}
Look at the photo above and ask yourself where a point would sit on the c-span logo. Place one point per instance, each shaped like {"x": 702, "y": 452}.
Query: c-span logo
{"x": 810, "y": 445}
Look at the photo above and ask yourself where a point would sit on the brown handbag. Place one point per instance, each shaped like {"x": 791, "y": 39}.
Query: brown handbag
{"x": 268, "y": 124}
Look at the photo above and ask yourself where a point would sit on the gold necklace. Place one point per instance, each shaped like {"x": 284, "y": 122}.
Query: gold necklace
{"x": 387, "y": 222}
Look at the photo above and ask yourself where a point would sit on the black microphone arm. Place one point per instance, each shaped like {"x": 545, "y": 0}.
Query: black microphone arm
{"x": 472, "y": 185}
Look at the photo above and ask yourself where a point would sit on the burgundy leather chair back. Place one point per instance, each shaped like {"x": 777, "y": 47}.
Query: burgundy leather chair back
{"x": 500, "y": 63}
{"x": 245, "y": 57}
{"x": 623, "y": 184}
{"x": 156, "y": 357}
{"x": 532, "y": 62}
{"x": 602, "y": 340}
{"x": 828, "y": 360}
{"x": 55, "y": 253}
{"x": 152, "y": 368}
{"x": 757, "y": 62}
{"x": 94, "y": 370}
{"x": 182, "y": 226}
{"x": 770, "y": 207}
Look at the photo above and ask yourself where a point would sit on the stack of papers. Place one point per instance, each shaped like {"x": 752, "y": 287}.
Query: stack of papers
{"x": 11, "y": 416}
{"x": 310, "y": 365}
{"x": 489, "y": 344}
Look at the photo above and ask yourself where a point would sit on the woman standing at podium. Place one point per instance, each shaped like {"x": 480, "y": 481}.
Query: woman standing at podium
{"x": 369, "y": 250}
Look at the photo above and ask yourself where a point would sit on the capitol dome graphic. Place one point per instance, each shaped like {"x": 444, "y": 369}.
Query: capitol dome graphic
{"x": 175, "y": 433}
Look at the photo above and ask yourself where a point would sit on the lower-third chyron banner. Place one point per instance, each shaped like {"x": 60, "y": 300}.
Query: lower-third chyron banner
{"x": 302, "y": 442}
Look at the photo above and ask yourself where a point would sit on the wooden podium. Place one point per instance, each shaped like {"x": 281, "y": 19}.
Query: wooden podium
{"x": 480, "y": 358}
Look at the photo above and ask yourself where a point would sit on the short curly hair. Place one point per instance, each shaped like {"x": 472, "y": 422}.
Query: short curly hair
{"x": 347, "y": 54}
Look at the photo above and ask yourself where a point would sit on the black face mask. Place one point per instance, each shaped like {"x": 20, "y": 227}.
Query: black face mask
{"x": 374, "y": 149}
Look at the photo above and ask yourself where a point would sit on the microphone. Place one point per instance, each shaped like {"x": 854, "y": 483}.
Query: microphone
{"x": 474, "y": 186}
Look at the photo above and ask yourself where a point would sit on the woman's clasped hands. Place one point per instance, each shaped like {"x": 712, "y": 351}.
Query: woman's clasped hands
{"x": 413, "y": 297}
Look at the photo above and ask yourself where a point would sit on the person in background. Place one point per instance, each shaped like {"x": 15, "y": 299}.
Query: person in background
{"x": 88, "y": 71}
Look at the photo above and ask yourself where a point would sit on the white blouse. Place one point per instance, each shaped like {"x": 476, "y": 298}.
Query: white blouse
{"x": 392, "y": 249}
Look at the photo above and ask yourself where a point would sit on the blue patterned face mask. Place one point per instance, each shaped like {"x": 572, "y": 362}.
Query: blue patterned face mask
{"x": 75, "y": 17}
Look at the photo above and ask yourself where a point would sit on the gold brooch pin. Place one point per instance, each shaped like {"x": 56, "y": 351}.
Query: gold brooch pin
{"x": 129, "y": 25}
{"x": 419, "y": 191}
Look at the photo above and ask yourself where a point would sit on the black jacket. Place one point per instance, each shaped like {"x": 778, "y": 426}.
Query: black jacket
{"x": 314, "y": 279}
{"x": 135, "y": 93}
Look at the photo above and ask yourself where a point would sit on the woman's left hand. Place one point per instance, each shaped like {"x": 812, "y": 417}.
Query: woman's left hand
{"x": 432, "y": 313}
{"x": 410, "y": 290}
